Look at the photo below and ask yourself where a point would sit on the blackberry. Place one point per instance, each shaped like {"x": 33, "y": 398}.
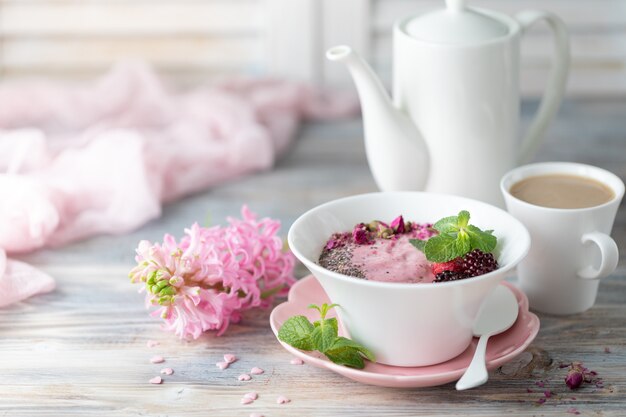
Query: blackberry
{"x": 478, "y": 263}
{"x": 449, "y": 276}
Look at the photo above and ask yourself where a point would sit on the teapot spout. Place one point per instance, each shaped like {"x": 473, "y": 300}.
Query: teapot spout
{"x": 396, "y": 151}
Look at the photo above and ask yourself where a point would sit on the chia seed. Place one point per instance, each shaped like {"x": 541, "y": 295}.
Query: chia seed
{"x": 339, "y": 259}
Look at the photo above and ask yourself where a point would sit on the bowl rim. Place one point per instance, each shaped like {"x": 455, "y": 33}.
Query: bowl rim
{"x": 314, "y": 267}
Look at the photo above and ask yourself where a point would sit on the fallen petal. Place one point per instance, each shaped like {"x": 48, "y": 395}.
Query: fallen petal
{"x": 246, "y": 400}
{"x": 256, "y": 415}
{"x": 152, "y": 343}
{"x": 296, "y": 361}
{"x": 282, "y": 400}
{"x": 156, "y": 380}
{"x": 230, "y": 358}
{"x": 167, "y": 371}
{"x": 157, "y": 359}
{"x": 244, "y": 377}
{"x": 256, "y": 371}
{"x": 252, "y": 395}
{"x": 222, "y": 365}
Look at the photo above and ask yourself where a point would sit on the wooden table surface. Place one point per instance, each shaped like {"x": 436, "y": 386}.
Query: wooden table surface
{"x": 81, "y": 350}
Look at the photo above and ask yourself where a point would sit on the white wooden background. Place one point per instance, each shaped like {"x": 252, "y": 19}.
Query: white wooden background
{"x": 191, "y": 40}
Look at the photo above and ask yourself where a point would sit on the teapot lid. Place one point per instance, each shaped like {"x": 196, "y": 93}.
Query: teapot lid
{"x": 456, "y": 24}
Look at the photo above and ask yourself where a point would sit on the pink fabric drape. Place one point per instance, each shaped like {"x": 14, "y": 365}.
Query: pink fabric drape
{"x": 102, "y": 158}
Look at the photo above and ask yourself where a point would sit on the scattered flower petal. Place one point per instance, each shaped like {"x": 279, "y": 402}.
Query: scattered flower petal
{"x": 256, "y": 415}
{"x": 573, "y": 410}
{"x": 253, "y": 395}
{"x": 296, "y": 361}
{"x": 230, "y": 358}
{"x": 282, "y": 400}
{"x": 256, "y": 371}
{"x": 244, "y": 377}
{"x": 167, "y": 371}
{"x": 246, "y": 400}
{"x": 541, "y": 400}
{"x": 222, "y": 365}
{"x": 152, "y": 343}
{"x": 156, "y": 380}
{"x": 157, "y": 359}
{"x": 529, "y": 390}
{"x": 547, "y": 393}
{"x": 540, "y": 384}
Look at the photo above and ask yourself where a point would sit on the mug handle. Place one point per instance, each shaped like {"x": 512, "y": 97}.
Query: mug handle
{"x": 608, "y": 252}
{"x": 557, "y": 82}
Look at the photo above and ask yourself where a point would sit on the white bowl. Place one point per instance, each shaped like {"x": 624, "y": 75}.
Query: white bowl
{"x": 407, "y": 324}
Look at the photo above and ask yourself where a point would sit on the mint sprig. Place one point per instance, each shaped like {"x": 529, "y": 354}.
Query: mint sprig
{"x": 322, "y": 335}
{"x": 455, "y": 239}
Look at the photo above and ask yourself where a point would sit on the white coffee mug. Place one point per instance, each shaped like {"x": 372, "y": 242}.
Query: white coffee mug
{"x": 570, "y": 248}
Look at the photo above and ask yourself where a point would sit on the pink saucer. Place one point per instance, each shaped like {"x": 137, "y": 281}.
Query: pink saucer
{"x": 501, "y": 348}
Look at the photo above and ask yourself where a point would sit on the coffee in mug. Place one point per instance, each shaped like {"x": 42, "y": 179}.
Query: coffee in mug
{"x": 562, "y": 191}
{"x": 569, "y": 210}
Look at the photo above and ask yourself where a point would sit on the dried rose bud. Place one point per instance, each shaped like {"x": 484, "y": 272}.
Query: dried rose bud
{"x": 398, "y": 225}
{"x": 575, "y": 376}
{"x": 360, "y": 235}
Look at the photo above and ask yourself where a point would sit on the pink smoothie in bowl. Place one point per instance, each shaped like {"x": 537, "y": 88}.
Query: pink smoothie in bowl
{"x": 377, "y": 252}
{"x": 412, "y": 253}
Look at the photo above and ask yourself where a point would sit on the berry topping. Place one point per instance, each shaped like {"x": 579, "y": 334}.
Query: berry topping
{"x": 449, "y": 276}
{"x": 455, "y": 265}
{"x": 478, "y": 263}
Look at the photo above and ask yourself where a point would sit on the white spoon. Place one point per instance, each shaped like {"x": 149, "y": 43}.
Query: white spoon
{"x": 497, "y": 314}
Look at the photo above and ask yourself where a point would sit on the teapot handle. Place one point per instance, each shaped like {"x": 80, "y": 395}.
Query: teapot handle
{"x": 555, "y": 88}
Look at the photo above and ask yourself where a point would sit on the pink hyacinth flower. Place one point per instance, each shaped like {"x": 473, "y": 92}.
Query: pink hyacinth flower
{"x": 207, "y": 279}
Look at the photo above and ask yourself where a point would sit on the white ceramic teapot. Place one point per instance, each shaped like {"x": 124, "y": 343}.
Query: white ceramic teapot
{"x": 453, "y": 126}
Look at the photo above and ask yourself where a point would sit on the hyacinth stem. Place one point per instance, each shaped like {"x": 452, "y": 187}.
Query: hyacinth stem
{"x": 268, "y": 293}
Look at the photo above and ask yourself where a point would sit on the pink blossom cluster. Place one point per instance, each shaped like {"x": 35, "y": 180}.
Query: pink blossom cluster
{"x": 204, "y": 281}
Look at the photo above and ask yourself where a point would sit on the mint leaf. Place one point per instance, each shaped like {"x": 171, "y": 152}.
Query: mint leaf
{"x": 342, "y": 342}
{"x": 315, "y": 307}
{"x": 463, "y": 242}
{"x": 323, "y": 337}
{"x": 447, "y": 225}
{"x": 418, "y": 243}
{"x": 455, "y": 239}
{"x": 323, "y": 310}
{"x": 332, "y": 322}
{"x": 485, "y": 241}
{"x": 463, "y": 219}
{"x": 441, "y": 248}
{"x": 346, "y": 356}
{"x": 296, "y": 331}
